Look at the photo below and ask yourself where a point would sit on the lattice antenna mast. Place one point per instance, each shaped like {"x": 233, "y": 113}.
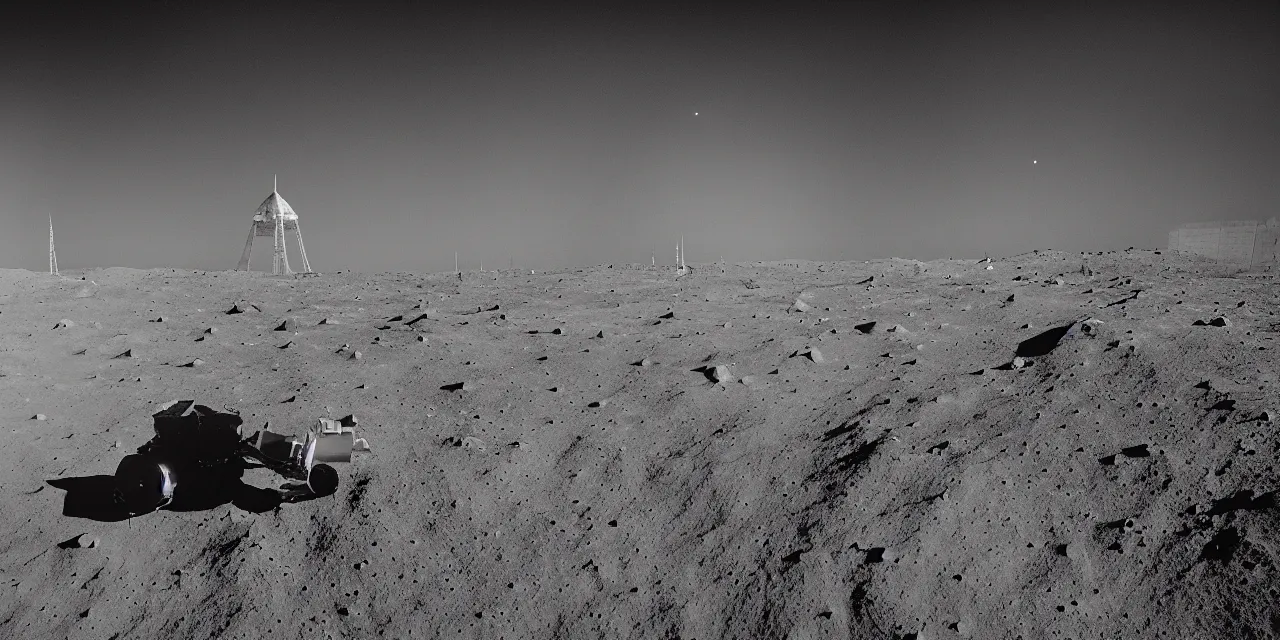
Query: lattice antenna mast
{"x": 53, "y": 255}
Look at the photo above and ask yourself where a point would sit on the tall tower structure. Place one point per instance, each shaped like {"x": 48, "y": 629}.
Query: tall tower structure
{"x": 274, "y": 219}
{"x": 53, "y": 255}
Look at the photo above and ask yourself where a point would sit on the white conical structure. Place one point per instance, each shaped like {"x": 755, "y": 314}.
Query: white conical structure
{"x": 53, "y": 255}
{"x": 273, "y": 219}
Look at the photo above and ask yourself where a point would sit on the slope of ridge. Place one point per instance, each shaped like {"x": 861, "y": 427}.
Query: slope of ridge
{"x": 1052, "y": 447}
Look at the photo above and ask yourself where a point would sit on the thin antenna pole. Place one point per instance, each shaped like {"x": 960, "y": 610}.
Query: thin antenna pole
{"x": 53, "y": 255}
{"x": 275, "y": 184}
{"x": 455, "y": 262}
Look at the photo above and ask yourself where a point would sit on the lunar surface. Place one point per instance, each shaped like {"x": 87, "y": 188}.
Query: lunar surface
{"x": 1051, "y": 445}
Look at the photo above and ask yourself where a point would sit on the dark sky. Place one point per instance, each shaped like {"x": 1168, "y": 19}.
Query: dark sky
{"x": 402, "y": 133}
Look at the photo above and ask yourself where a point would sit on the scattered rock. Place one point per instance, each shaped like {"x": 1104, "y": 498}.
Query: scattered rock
{"x": 897, "y": 328}
{"x": 286, "y": 345}
{"x": 235, "y": 308}
{"x": 720, "y": 374}
{"x": 1136, "y": 451}
{"x": 194, "y": 363}
{"x": 39, "y": 416}
{"x": 1019, "y": 362}
{"x": 160, "y": 319}
{"x": 1043, "y": 343}
{"x": 815, "y": 356}
{"x": 668, "y": 315}
{"x": 643, "y": 362}
{"x": 473, "y": 443}
{"x": 599, "y": 334}
{"x": 322, "y": 321}
{"x": 72, "y": 542}
{"x": 1224, "y": 405}
{"x": 128, "y": 353}
{"x": 357, "y": 356}
{"x": 800, "y": 306}
{"x": 455, "y": 386}
{"x": 422, "y": 338}
{"x": 865, "y": 327}
{"x": 64, "y": 324}
{"x": 557, "y": 331}
{"x": 288, "y": 325}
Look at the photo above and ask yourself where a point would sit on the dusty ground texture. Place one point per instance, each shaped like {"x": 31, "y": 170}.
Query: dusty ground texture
{"x": 608, "y": 481}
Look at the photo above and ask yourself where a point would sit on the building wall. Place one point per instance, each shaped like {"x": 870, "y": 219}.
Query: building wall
{"x": 1244, "y": 243}
{"x": 1266, "y": 247}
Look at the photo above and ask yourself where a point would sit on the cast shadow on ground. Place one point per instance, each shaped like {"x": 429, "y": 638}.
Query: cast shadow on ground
{"x": 97, "y": 497}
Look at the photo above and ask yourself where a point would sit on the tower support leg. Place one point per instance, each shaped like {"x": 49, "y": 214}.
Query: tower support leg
{"x": 302, "y": 249}
{"x": 248, "y": 249}
{"x": 281, "y": 263}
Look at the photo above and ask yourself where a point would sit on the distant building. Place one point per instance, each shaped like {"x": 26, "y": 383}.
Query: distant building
{"x": 273, "y": 219}
{"x": 1249, "y": 244}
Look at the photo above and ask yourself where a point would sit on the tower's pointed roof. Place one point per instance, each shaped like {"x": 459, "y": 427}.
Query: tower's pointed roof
{"x": 271, "y": 207}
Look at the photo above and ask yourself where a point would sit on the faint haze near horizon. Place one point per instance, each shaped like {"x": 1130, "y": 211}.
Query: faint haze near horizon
{"x": 554, "y": 138}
